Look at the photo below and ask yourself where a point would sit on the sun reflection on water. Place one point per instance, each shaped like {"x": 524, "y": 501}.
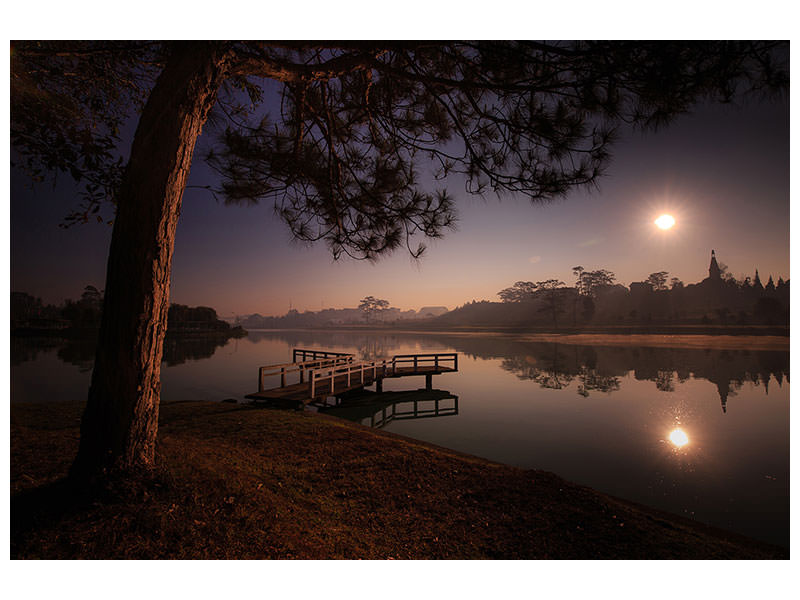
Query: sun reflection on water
{"x": 678, "y": 437}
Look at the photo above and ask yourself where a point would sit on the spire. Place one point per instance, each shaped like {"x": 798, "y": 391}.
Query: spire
{"x": 757, "y": 282}
{"x": 713, "y": 268}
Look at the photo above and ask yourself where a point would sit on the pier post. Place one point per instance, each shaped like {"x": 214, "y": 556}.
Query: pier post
{"x": 379, "y": 385}
{"x": 429, "y": 381}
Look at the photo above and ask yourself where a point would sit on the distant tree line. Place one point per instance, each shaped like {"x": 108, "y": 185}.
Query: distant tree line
{"x": 370, "y": 311}
{"x": 597, "y": 299}
{"x": 82, "y": 317}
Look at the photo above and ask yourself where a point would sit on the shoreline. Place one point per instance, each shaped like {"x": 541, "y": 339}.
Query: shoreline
{"x": 245, "y": 482}
{"x": 721, "y": 341}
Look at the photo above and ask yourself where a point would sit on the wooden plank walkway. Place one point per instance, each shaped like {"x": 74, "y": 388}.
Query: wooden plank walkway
{"x": 330, "y": 374}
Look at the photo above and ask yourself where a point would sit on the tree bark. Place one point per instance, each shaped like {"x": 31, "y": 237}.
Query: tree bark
{"x": 118, "y": 430}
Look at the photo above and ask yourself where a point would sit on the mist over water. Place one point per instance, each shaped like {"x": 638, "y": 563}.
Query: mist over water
{"x": 697, "y": 432}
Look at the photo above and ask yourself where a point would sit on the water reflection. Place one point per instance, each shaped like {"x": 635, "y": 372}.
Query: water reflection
{"x": 678, "y": 437}
{"x": 593, "y": 369}
{"x": 598, "y": 369}
{"x": 380, "y": 409}
{"x": 80, "y": 352}
{"x": 181, "y": 348}
{"x": 26, "y": 349}
{"x": 557, "y": 366}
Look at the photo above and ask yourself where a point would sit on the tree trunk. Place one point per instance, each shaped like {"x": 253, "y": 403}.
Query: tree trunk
{"x": 118, "y": 430}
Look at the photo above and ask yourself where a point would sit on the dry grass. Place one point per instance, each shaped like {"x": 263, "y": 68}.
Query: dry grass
{"x": 242, "y": 482}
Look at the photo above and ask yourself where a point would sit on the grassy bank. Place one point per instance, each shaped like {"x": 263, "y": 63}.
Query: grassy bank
{"x": 242, "y": 482}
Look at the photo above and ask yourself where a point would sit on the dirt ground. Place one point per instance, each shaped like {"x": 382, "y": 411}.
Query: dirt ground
{"x": 236, "y": 482}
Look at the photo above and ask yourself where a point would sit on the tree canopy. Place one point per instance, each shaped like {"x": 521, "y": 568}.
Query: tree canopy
{"x": 372, "y": 306}
{"x": 658, "y": 280}
{"x": 342, "y": 136}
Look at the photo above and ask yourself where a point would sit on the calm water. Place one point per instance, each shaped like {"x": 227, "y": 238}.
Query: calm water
{"x": 605, "y": 417}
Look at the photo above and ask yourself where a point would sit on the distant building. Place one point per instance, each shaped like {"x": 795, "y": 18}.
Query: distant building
{"x": 640, "y": 288}
{"x": 757, "y": 283}
{"x": 431, "y": 311}
{"x": 713, "y": 269}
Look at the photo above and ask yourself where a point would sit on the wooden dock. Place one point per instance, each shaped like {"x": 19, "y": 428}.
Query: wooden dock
{"x": 320, "y": 374}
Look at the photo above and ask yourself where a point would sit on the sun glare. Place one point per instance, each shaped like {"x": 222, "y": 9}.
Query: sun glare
{"x": 665, "y": 221}
{"x": 678, "y": 437}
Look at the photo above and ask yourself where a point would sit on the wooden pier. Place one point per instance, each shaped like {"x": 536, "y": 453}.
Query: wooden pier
{"x": 320, "y": 374}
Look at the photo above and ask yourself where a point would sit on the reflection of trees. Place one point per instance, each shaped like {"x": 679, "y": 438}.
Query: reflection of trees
{"x": 550, "y": 365}
{"x": 374, "y": 348}
{"x": 664, "y": 381}
{"x": 556, "y": 366}
{"x": 80, "y": 352}
{"x": 598, "y": 368}
{"x": 365, "y": 345}
{"x": 548, "y": 368}
{"x": 591, "y": 380}
{"x": 178, "y": 349}
{"x": 24, "y": 349}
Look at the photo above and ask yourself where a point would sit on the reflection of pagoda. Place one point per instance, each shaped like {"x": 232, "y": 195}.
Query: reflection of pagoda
{"x": 723, "y": 387}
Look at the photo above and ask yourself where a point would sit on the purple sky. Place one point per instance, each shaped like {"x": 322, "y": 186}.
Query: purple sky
{"x": 723, "y": 172}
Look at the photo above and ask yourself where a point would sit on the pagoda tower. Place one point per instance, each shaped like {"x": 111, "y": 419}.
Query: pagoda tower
{"x": 713, "y": 268}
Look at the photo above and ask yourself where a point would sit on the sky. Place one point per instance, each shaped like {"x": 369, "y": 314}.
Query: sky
{"x": 722, "y": 172}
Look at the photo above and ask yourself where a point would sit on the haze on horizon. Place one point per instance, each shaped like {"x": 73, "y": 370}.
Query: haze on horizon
{"x": 722, "y": 172}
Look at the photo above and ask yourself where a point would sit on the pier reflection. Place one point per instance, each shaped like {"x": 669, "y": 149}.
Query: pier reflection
{"x": 379, "y": 409}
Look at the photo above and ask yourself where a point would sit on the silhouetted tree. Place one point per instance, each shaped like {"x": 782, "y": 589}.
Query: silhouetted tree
{"x": 339, "y": 159}
{"x": 521, "y": 291}
{"x": 658, "y": 280}
{"x": 372, "y": 306}
{"x": 587, "y": 311}
{"x": 591, "y": 280}
{"x": 769, "y": 310}
{"x": 770, "y": 287}
{"x": 725, "y": 273}
{"x": 675, "y": 283}
{"x": 23, "y": 307}
{"x": 93, "y": 297}
{"x": 551, "y": 294}
{"x": 578, "y": 272}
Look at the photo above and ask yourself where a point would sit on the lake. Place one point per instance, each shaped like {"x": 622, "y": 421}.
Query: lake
{"x": 698, "y": 432}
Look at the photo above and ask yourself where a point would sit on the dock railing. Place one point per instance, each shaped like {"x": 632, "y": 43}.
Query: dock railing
{"x": 352, "y": 372}
{"x": 425, "y": 361}
{"x": 307, "y": 355}
{"x": 300, "y": 367}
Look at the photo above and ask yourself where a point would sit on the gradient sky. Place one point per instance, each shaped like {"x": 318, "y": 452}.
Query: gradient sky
{"x": 723, "y": 172}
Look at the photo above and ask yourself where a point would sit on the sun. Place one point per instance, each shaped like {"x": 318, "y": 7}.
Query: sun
{"x": 665, "y": 222}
